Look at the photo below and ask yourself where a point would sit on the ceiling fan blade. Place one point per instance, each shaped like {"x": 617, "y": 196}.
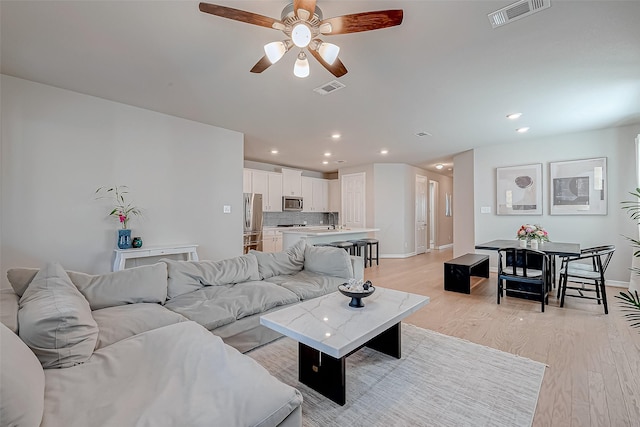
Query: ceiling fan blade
{"x": 306, "y": 5}
{"x": 365, "y": 21}
{"x": 240, "y": 15}
{"x": 337, "y": 68}
{"x": 261, "y": 65}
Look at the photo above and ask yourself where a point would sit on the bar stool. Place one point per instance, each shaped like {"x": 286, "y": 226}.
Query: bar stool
{"x": 358, "y": 247}
{"x": 369, "y": 252}
{"x": 347, "y": 246}
{"x": 323, "y": 244}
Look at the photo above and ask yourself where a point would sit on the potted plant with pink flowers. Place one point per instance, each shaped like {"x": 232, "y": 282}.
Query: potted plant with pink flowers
{"x": 122, "y": 210}
{"x": 532, "y": 234}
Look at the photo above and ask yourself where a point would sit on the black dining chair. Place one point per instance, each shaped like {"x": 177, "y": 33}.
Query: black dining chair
{"x": 586, "y": 274}
{"x": 524, "y": 272}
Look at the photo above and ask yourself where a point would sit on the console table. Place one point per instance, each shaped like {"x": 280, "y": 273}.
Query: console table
{"x": 122, "y": 255}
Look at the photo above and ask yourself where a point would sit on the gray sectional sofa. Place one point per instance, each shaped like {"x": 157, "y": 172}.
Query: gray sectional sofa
{"x": 144, "y": 346}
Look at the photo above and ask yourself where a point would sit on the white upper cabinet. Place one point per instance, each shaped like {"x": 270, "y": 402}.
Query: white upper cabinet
{"x": 315, "y": 194}
{"x": 269, "y": 184}
{"x": 246, "y": 181}
{"x": 291, "y": 182}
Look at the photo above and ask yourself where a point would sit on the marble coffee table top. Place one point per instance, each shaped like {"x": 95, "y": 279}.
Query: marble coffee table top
{"x": 329, "y": 325}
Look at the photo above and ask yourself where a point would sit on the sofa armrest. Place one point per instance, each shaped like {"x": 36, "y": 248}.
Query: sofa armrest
{"x": 357, "y": 262}
{"x": 9, "y": 309}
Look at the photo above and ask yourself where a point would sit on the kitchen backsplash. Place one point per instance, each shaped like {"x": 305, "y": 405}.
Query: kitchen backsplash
{"x": 273, "y": 219}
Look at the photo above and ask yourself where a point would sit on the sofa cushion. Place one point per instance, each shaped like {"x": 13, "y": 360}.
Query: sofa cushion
{"x": 55, "y": 319}
{"x": 328, "y": 261}
{"x": 133, "y": 285}
{"x": 22, "y": 379}
{"x": 130, "y": 286}
{"x": 178, "y": 375}
{"x": 307, "y": 284}
{"x": 189, "y": 276}
{"x": 124, "y": 321}
{"x": 215, "y": 306}
{"x": 289, "y": 261}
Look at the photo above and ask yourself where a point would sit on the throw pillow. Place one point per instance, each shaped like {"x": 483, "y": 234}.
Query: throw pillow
{"x": 22, "y": 380}
{"x": 55, "y": 319}
{"x": 328, "y": 261}
{"x": 289, "y": 261}
{"x": 147, "y": 283}
{"x": 189, "y": 276}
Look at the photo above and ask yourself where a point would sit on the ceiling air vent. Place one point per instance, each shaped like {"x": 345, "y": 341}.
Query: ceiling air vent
{"x": 332, "y": 86}
{"x": 517, "y": 10}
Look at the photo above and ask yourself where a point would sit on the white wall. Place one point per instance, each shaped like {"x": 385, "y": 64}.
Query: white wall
{"x": 59, "y": 146}
{"x": 463, "y": 199}
{"x": 616, "y": 144}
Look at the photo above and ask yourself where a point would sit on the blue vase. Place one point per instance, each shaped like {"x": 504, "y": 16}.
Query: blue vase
{"x": 124, "y": 238}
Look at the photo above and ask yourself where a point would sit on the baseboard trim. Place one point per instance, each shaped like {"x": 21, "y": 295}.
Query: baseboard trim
{"x": 450, "y": 245}
{"x": 398, "y": 255}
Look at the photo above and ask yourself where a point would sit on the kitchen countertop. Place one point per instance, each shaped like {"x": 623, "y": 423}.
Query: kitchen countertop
{"x": 324, "y": 231}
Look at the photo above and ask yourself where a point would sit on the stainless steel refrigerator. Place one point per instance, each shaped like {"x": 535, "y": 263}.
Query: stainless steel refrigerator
{"x": 252, "y": 222}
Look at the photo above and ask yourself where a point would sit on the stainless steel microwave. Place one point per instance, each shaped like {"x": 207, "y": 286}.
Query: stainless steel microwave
{"x": 291, "y": 203}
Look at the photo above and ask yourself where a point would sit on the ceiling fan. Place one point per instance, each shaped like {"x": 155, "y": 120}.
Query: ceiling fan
{"x": 302, "y": 22}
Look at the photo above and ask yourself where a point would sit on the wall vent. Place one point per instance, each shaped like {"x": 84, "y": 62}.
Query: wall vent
{"x": 517, "y": 10}
{"x": 330, "y": 87}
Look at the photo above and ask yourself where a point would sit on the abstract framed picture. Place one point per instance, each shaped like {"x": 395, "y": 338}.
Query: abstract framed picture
{"x": 579, "y": 187}
{"x": 519, "y": 190}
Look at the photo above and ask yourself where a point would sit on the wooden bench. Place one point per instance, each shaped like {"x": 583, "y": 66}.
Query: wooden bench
{"x": 458, "y": 272}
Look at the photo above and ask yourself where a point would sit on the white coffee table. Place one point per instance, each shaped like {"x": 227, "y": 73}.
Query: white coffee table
{"x": 328, "y": 331}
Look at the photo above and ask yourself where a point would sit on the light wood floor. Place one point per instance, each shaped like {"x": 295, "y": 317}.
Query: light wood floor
{"x": 593, "y": 374}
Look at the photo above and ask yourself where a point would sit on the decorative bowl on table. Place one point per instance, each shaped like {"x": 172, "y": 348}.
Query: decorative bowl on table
{"x": 357, "y": 292}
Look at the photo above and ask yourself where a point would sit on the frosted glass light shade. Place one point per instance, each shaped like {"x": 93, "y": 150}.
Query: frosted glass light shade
{"x": 301, "y": 68}
{"x": 275, "y": 51}
{"x": 328, "y": 52}
{"x": 301, "y": 35}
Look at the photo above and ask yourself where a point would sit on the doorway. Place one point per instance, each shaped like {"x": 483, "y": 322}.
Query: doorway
{"x": 433, "y": 206}
{"x": 353, "y": 200}
{"x": 421, "y": 214}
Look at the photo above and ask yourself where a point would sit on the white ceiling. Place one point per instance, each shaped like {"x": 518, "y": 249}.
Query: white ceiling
{"x": 445, "y": 71}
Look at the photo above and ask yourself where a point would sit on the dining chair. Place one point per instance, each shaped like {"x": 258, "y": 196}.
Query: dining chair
{"x": 586, "y": 273}
{"x": 524, "y": 272}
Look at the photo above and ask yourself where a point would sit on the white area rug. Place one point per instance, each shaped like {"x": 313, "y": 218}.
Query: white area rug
{"x": 440, "y": 381}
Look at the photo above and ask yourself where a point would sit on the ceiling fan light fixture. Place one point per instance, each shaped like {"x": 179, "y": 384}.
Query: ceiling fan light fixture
{"x": 301, "y": 67}
{"x": 329, "y": 52}
{"x": 325, "y": 28}
{"x": 275, "y": 51}
{"x": 301, "y": 35}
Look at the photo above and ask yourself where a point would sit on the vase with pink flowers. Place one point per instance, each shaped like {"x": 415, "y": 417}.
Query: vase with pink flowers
{"x": 122, "y": 210}
{"x": 532, "y": 235}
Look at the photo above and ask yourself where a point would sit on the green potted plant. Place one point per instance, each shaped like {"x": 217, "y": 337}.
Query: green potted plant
{"x": 631, "y": 300}
{"x": 122, "y": 210}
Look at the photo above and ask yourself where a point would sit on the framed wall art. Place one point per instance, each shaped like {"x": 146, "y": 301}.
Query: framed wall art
{"x": 519, "y": 190}
{"x": 579, "y": 187}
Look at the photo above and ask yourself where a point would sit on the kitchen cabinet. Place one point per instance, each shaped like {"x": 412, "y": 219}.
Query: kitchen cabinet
{"x": 271, "y": 241}
{"x": 246, "y": 181}
{"x": 269, "y": 184}
{"x": 315, "y": 194}
{"x": 334, "y": 195}
{"x": 291, "y": 182}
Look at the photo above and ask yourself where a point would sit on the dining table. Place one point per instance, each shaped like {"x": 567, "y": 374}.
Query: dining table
{"x": 553, "y": 249}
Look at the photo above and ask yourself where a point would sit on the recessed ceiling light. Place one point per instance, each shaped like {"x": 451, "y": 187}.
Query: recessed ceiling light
{"x": 514, "y": 116}
{"x": 439, "y": 166}
{"x": 327, "y": 154}
{"x": 325, "y": 162}
{"x": 336, "y": 136}
{"x": 384, "y": 151}
{"x": 522, "y": 130}
{"x": 274, "y": 151}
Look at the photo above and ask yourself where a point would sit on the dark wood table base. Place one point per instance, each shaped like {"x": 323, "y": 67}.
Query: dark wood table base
{"x": 326, "y": 374}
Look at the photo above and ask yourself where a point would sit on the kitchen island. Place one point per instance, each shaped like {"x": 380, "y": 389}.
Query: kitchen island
{"x": 323, "y": 235}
